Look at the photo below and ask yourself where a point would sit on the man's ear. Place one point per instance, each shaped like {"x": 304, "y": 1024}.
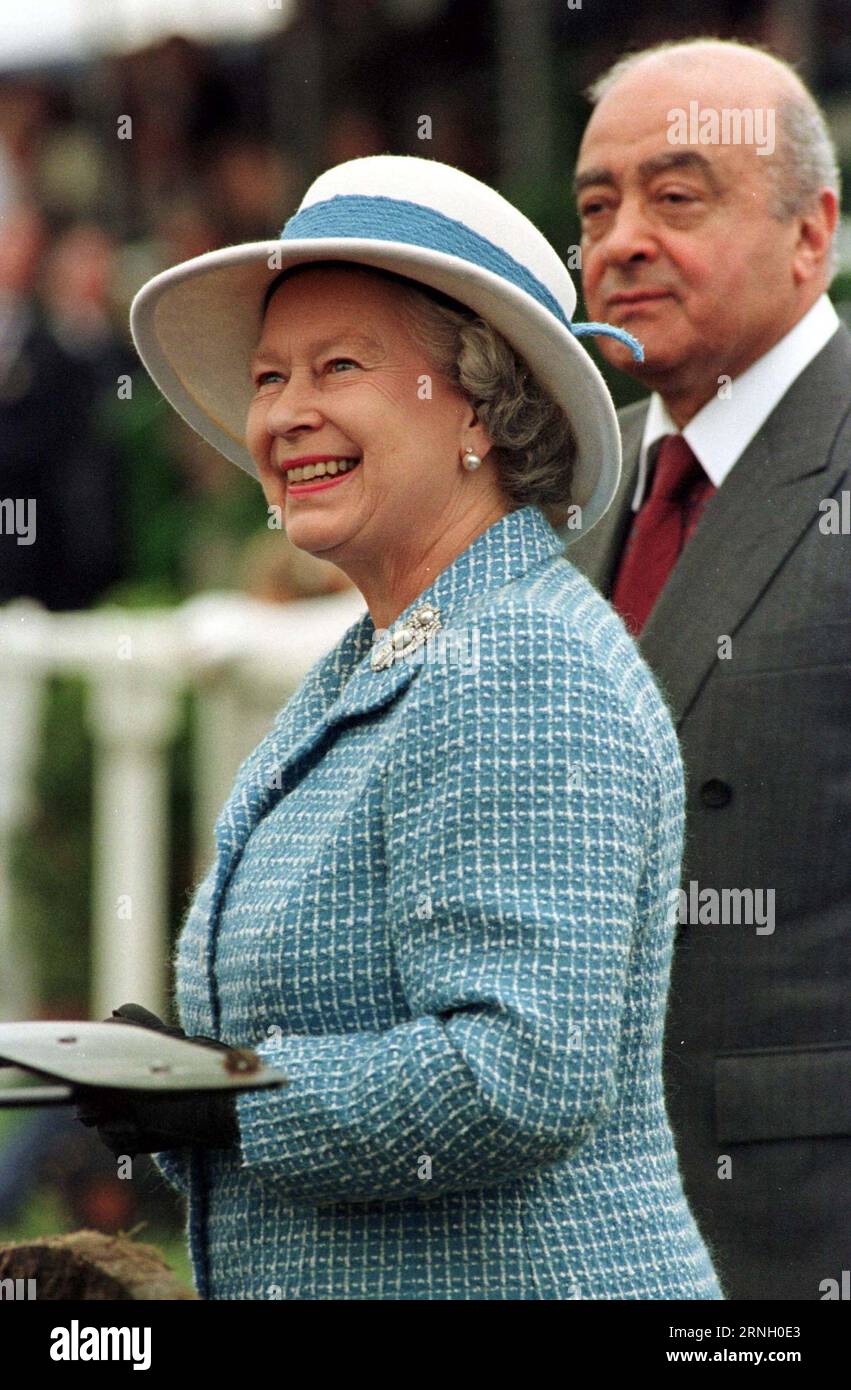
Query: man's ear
{"x": 815, "y": 233}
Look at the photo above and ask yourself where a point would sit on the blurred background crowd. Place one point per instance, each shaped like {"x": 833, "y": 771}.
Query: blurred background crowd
{"x": 116, "y": 165}
{"x": 126, "y": 147}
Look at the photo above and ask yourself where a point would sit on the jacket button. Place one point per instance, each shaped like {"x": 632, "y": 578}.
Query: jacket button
{"x": 716, "y": 793}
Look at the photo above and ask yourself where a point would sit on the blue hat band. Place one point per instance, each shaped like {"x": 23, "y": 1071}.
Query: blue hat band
{"x": 377, "y": 218}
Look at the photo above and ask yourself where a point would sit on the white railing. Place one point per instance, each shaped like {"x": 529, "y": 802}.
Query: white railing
{"x": 241, "y": 658}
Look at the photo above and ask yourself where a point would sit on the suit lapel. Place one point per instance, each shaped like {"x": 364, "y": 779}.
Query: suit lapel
{"x": 597, "y": 554}
{"x": 749, "y": 526}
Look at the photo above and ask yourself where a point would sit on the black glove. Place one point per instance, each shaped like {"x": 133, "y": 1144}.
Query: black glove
{"x": 134, "y": 1122}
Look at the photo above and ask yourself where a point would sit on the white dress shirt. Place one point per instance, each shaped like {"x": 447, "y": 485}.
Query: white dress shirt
{"x": 719, "y": 435}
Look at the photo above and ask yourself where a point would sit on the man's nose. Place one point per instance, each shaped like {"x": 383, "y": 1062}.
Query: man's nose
{"x": 629, "y": 236}
{"x": 295, "y": 406}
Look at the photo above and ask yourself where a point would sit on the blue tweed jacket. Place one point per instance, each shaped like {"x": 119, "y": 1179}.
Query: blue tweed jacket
{"x": 440, "y": 905}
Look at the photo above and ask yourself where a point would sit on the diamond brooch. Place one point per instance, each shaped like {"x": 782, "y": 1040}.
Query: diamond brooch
{"x": 414, "y": 632}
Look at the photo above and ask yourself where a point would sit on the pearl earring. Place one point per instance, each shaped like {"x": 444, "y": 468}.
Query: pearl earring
{"x": 470, "y": 460}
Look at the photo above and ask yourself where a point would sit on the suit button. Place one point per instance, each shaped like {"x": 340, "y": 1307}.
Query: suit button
{"x": 716, "y": 793}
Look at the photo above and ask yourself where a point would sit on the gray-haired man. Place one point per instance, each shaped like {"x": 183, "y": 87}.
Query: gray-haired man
{"x": 708, "y": 192}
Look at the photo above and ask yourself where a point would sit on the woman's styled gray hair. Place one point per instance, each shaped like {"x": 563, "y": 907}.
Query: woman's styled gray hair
{"x": 533, "y": 443}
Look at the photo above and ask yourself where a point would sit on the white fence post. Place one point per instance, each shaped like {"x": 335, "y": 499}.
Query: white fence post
{"x": 133, "y": 716}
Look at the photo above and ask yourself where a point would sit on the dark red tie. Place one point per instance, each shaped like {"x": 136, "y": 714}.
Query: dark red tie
{"x": 662, "y": 525}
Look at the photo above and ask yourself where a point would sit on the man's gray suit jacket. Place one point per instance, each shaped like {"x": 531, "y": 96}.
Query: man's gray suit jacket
{"x": 758, "y": 1035}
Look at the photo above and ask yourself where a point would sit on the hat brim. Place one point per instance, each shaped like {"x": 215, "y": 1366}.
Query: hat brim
{"x": 196, "y": 325}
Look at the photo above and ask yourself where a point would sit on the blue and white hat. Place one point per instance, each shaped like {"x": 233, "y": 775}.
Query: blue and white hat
{"x": 196, "y": 325}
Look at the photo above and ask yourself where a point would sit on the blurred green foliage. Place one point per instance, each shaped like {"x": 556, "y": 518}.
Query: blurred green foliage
{"x": 51, "y": 856}
{"x": 51, "y": 860}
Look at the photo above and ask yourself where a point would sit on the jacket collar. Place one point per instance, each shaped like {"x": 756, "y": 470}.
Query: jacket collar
{"x": 346, "y": 684}
{"x": 748, "y": 527}
{"x": 508, "y": 549}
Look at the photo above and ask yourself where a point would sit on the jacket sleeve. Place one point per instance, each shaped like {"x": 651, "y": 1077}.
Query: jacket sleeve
{"x": 174, "y": 1166}
{"x": 517, "y": 804}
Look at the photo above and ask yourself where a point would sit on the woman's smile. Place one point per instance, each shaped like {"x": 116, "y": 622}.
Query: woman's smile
{"x": 320, "y": 477}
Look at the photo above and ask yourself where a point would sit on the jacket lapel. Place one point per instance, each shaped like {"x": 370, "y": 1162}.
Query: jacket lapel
{"x": 345, "y": 685}
{"x": 323, "y": 702}
{"x": 749, "y": 526}
{"x": 341, "y": 687}
{"x": 597, "y": 554}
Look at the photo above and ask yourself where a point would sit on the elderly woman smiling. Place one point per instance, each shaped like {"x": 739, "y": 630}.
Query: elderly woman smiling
{"x": 439, "y": 903}
{"x": 329, "y": 395}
